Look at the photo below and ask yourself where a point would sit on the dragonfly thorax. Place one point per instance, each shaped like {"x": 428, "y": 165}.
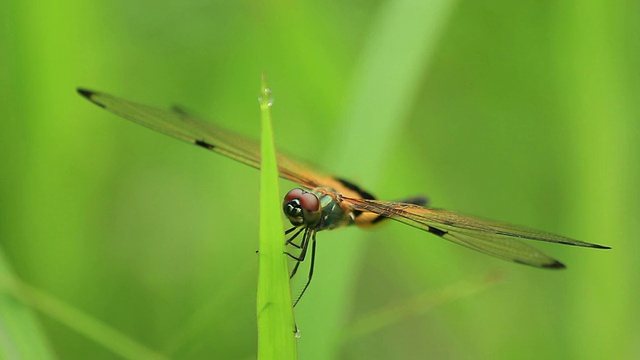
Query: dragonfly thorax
{"x": 314, "y": 209}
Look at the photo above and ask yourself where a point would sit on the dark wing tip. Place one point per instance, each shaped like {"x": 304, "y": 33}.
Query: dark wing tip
{"x": 584, "y": 244}
{"x": 556, "y": 265}
{"x": 89, "y": 95}
{"x": 601, "y": 246}
{"x": 86, "y": 93}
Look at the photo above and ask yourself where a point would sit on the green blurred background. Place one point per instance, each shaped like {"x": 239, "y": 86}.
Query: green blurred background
{"x": 524, "y": 111}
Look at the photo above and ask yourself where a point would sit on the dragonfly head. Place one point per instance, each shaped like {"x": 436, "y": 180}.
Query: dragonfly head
{"x": 302, "y": 207}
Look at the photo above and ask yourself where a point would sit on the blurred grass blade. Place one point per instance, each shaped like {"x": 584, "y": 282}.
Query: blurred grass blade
{"x": 22, "y": 337}
{"x": 29, "y": 344}
{"x": 276, "y": 326}
{"x": 398, "y": 53}
{"x": 597, "y": 88}
{"x": 419, "y": 305}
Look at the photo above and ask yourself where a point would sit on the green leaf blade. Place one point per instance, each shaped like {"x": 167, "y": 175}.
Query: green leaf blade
{"x": 276, "y": 325}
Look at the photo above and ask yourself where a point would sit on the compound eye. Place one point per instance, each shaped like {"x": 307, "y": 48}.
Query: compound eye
{"x": 293, "y": 194}
{"x": 309, "y": 202}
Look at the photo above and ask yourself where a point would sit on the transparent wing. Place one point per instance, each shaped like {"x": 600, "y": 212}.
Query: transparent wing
{"x": 186, "y": 127}
{"x": 487, "y": 236}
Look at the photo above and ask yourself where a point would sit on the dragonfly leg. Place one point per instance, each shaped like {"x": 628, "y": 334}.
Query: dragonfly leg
{"x": 295, "y": 235}
{"x": 313, "y": 258}
{"x": 303, "y": 246}
{"x": 300, "y": 258}
{"x": 295, "y": 269}
{"x": 287, "y": 232}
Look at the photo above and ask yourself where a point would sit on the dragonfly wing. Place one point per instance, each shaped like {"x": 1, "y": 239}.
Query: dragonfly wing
{"x": 491, "y": 237}
{"x": 183, "y": 126}
{"x": 507, "y": 249}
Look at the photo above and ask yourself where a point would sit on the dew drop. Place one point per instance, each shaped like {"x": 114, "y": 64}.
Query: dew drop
{"x": 267, "y": 96}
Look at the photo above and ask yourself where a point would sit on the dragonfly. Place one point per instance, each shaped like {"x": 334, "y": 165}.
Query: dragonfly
{"x": 324, "y": 202}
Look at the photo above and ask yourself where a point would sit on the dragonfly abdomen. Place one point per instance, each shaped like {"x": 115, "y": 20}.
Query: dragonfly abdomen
{"x": 367, "y": 219}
